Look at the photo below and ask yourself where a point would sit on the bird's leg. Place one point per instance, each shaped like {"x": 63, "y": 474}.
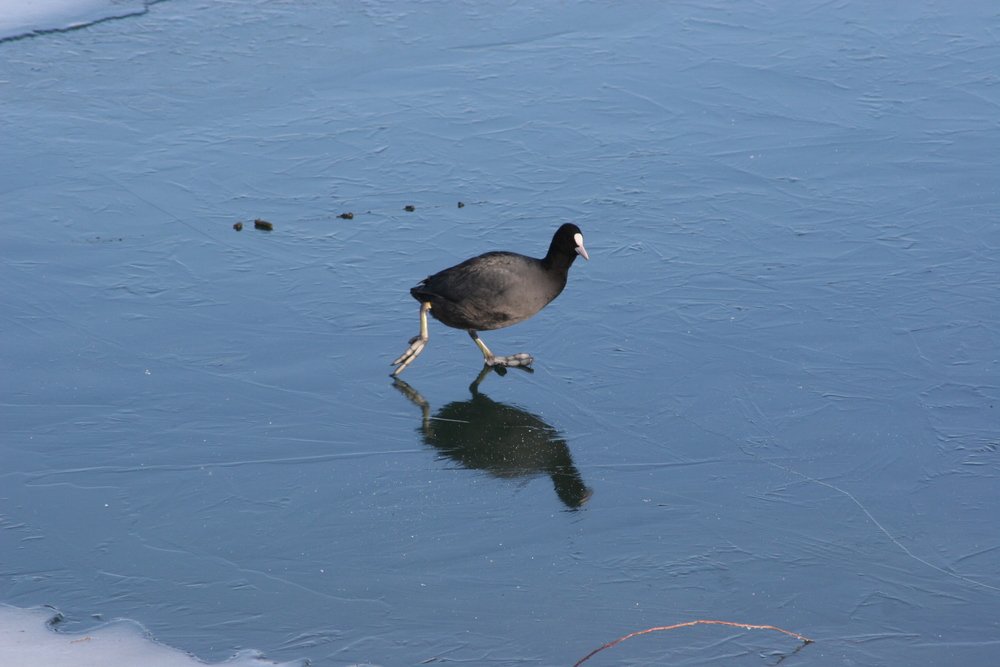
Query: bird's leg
{"x": 520, "y": 359}
{"x": 417, "y": 343}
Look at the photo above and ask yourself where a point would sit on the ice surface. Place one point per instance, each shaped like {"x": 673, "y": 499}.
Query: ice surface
{"x": 25, "y": 17}
{"x": 778, "y": 373}
{"x": 27, "y": 639}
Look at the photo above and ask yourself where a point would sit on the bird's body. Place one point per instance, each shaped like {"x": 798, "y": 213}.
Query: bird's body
{"x": 494, "y": 290}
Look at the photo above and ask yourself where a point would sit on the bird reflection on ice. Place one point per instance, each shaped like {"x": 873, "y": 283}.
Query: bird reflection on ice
{"x": 503, "y": 440}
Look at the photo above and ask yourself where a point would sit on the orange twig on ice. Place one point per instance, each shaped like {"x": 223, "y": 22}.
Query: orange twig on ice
{"x": 683, "y": 625}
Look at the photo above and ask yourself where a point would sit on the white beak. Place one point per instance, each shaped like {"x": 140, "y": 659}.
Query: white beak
{"x": 580, "y": 250}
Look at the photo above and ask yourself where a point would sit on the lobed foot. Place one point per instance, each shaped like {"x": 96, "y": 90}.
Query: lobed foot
{"x": 520, "y": 359}
{"x": 417, "y": 344}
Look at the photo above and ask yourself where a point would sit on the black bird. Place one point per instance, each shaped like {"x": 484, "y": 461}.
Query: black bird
{"x": 493, "y": 291}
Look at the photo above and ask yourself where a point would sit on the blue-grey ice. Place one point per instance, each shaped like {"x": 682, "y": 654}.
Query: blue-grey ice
{"x": 772, "y": 396}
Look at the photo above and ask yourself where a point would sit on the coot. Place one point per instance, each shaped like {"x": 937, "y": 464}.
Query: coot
{"x": 492, "y": 291}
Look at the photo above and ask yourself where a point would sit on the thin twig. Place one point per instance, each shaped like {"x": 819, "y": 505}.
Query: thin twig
{"x": 682, "y": 625}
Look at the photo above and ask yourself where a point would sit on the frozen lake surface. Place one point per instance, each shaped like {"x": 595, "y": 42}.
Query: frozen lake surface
{"x": 28, "y": 639}
{"x": 23, "y": 18}
{"x": 771, "y": 397}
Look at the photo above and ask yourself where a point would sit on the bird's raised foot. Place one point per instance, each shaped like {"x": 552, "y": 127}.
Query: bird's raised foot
{"x": 417, "y": 344}
{"x": 520, "y": 359}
